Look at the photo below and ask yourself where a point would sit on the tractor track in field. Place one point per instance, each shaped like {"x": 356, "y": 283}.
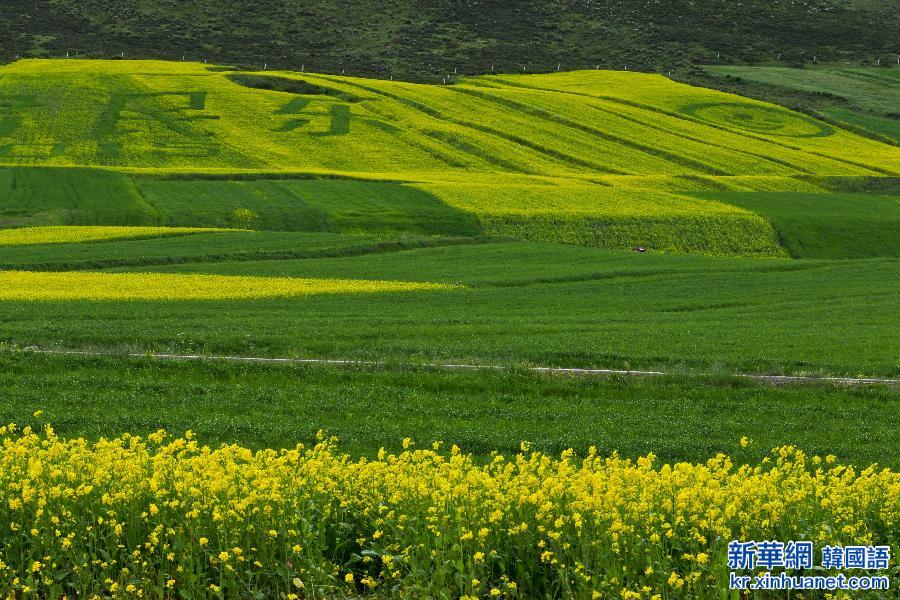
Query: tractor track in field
{"x": 581, "y": 372}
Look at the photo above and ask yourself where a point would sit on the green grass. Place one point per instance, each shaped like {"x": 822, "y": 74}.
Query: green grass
{"x": 469, "y": 184}
{"x": 863, "y": 99}
{"x": 876, "y": 90}
{"x": 826, "y": 225}
{"x": 473, "y": 184}
{"x": 678, "y": 419}
{"x": 525, "y": 303}
{"x": 885, "y": 126}
{"x": 32, "y": 196}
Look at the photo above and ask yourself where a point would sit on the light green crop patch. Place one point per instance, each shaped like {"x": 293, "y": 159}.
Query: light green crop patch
{"x": 616, "y": 218}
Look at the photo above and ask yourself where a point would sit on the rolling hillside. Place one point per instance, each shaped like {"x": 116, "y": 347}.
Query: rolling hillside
{"x": 584, "y": 124}
{"x": 594, "y": 157}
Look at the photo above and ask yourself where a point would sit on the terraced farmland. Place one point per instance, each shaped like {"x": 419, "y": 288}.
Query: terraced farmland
{"x": 125, "y": 125}
{"x": 592, "y": 262}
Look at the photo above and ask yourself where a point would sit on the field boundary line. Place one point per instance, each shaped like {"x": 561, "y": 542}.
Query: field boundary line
{"x": 775, "y": 379}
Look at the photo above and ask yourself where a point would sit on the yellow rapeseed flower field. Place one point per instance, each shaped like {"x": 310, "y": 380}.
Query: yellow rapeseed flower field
{"x": 121, "y": 114}
{"x": 635, "y": 134}
{"x": 66, "y": 234}
{"x": 41, "y": 286}
{"x": 160, "y": 516}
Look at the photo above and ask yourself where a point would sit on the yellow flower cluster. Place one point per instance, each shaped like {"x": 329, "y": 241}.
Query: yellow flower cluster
{"x": 67, "y": 234}
{"x": 163, "y": 517}
{"x": 61, "y": 286}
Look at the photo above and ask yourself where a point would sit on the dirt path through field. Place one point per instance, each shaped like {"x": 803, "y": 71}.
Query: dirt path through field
{"x": 773, "y": 379}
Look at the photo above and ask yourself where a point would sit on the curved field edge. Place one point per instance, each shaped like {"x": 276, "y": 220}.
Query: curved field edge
{"x": 830, "y": 225}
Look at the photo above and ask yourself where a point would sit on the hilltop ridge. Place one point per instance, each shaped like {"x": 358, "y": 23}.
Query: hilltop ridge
{"x": 414, "y": 40}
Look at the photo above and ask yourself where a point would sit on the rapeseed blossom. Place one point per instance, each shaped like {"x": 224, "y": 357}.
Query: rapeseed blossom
{"x": 78, "y": 518}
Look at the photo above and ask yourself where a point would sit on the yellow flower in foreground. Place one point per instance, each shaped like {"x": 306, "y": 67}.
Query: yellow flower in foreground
{"x": 675, "y": 581}
{"x": 401, "y": 514}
